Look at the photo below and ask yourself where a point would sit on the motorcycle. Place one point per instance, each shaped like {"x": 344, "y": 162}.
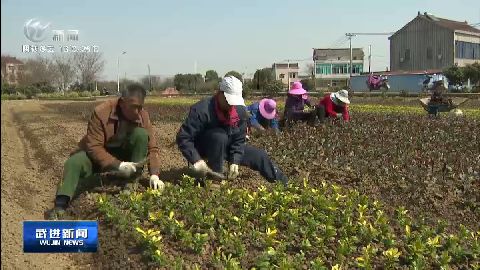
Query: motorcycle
{"x": 377, "y": 82}
{"x": 433, "y": 81}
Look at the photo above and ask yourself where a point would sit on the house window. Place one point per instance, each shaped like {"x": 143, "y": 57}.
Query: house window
{"x": 429, "y": 53}
{"x": 357, "y": 69}
{"x": 407, "y": 55}
{"x": 338, "y": 58}
{"x": 293, "y": 75}
{"x": 354, "y": 58}
{"x": 467, "y": 50}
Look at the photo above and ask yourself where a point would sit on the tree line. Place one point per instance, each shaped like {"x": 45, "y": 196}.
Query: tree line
{"x": 59, "y": 72}
{"x": 460, "y": 75}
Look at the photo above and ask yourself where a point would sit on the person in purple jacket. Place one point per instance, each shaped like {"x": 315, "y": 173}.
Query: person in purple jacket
{"x": 296, "y": 103}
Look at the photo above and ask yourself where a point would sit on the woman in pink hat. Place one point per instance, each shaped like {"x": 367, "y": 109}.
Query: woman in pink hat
{"x": 263, "y": 115}
{"x": 297, "y": 99}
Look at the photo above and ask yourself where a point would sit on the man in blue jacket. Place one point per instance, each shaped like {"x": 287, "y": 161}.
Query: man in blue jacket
{"x": 263, "y": 115}
{"x": 215, "y": 130}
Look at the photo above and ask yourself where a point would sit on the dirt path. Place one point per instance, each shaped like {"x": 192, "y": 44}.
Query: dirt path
{"x": 27, "y": 191}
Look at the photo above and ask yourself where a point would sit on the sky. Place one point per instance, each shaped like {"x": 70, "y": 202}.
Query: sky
{"x": 185, "y": 36}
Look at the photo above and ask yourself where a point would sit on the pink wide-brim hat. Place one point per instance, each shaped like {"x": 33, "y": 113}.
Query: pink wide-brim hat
{"x": 297, "y": 89}
{"x": 268, "y": 108}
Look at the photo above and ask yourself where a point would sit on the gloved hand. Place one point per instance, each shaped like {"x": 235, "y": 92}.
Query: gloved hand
{"x": 127, "y": 168}
{"x": 233, "y": 171}
{"x": 156, "y": 183}
{"x": 339, "y": 115}
{"x": 201, "y": 168}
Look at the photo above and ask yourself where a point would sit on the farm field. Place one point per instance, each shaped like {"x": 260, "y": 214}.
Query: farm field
{"x": 390, "y": 189}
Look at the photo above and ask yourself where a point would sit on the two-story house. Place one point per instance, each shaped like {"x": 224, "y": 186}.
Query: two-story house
{"x": 428, "y": 42}
{"x": 332, "y": 66}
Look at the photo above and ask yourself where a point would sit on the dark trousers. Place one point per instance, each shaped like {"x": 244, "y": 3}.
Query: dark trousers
{"x": 213, "y": 146}
{"x": 309, "y": 117}
{"x": 321, "y": 113}
{"x": 79, "y": 169}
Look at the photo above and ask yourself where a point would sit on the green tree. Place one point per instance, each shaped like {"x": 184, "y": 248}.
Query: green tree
{"x": 235, "y": 74}
{"x": 273, "y": 88}
{"x": 472, "y": 72}
{"x": 455, "y": 75}
{"x": 308, "y": 84}
{"x": 262, "y": 77}
{"x": 211, "y": 75}
{"x": 187, "y": 82}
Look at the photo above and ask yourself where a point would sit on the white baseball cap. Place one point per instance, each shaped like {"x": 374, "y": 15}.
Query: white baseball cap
{"x": 232, "y": 89}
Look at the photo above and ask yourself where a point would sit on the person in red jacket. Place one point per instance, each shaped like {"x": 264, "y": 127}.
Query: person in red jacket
{"x": 334, "y": 105}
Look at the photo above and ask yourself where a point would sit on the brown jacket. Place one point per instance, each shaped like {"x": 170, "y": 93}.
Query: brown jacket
{"x": 102, "y": 127}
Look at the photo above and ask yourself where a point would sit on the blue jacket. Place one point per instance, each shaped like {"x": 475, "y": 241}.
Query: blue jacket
{"x": 202, "y": 117}
{"x": 256, "y": 117}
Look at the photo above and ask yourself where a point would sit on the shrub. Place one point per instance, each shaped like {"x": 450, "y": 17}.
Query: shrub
{"x": 273, "y": 88}
{"x": 207, "y": 87}
{"x": 85, "y": 94}
{"x": 72, "y": 94}
{"x": 17, "y": 96}
{"x": 96, "y": 93}
{"x": 308, "y": 84}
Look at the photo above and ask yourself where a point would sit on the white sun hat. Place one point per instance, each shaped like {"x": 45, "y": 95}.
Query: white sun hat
{"x": 232, "y": 89}
{"x": 342, "y": 95}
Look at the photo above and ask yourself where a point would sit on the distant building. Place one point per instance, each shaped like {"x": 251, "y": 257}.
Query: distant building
{"x": 429, "y": 42}
{"x": 11, "y": 69}
{"x": 332, "y": 66}
{"x": 286, "y": 72}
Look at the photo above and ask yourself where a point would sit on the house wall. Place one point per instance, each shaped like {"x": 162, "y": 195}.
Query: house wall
{"x": 285, "y": 71}
{"x": 421, "y": 45}
{"x": 471, "y": 38}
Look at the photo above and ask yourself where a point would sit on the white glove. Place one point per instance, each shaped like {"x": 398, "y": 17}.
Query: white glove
{"x": 233, "y": 171}
{"x": 156, "y": 183}
{"x": 127, "y": 168}
{"x": 201, "y": 167}
{"x": 339, "y": 115}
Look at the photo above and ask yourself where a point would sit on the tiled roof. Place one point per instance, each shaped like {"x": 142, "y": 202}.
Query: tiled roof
{"x": 453, "y": 25}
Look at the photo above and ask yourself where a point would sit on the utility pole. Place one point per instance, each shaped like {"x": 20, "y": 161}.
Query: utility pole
{"x": 314, "y": 72}
{"x": 149, "y": 78}
{"x": 369, "y": 57}
{"x": 288, "y": 73}
{"x": 350, "y": 35}
{"x": 118, "y": 72}
{"x": 351, "y": 56}
{"x": 195, "y": 77}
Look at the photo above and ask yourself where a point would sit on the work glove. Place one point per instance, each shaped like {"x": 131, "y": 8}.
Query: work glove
{"x": 307, "y": 110}
{"x": 233, "y": 171}
{"x": 127, "y": 168}
{"x": 339, "y": 115}
{"x": 156, "y": 183}
{"x": 201, "y": 168}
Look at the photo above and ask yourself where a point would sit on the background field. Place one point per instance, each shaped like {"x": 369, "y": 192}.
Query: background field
{"x": 390, "y": 153}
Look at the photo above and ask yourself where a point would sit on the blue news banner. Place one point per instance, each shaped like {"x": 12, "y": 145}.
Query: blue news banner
{"x": 60, "y": 236}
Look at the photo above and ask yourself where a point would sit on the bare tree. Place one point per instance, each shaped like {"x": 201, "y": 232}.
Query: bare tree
{"x": 65, "y": 69}
{"x": 38, "y": 71}
{"x": 89, "y": 65}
